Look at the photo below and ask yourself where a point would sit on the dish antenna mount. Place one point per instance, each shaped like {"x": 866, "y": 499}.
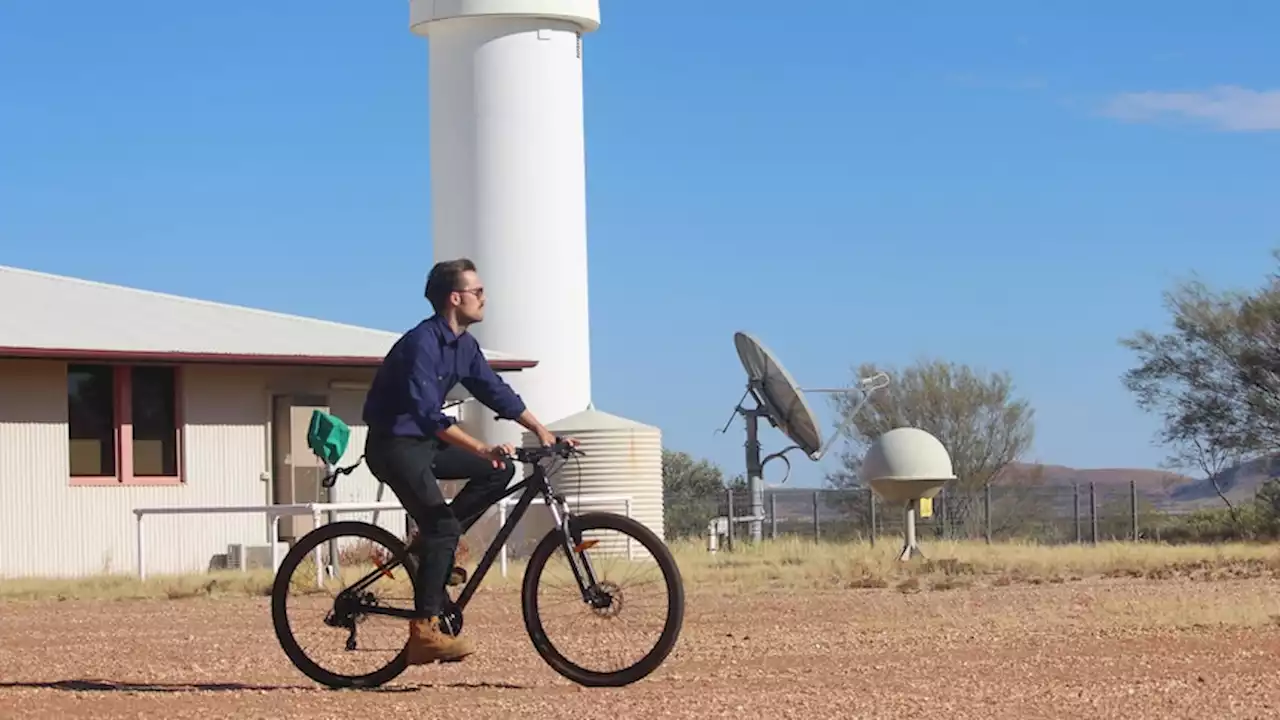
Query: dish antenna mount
{"x": 781, "y": 401}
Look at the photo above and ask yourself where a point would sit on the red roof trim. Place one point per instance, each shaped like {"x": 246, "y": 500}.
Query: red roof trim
{"x": 218, "y": 358}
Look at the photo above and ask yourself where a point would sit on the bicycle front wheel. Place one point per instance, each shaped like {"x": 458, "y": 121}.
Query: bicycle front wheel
{"x": 622, "y": 565}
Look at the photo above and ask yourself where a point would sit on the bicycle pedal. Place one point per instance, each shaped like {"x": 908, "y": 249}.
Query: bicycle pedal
{"x": 457, "y": 576}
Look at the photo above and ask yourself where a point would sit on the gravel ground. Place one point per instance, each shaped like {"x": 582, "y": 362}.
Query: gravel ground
{"x": 1132, "y": 649}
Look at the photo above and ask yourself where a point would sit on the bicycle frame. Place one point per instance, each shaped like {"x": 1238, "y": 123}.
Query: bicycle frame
{"x": 532, "y": 486}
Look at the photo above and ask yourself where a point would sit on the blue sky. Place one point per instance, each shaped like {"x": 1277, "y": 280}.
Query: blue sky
{"x": 994, "y": 183}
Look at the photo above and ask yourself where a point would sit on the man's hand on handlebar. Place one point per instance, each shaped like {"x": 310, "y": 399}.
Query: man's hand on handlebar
{"x": 499, "y": 454}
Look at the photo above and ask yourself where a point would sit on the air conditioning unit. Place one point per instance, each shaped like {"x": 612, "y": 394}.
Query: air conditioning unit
{"x": 253, "y": 557}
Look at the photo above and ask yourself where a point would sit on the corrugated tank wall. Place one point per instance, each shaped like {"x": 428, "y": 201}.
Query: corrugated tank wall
{"x": 622, "y": 458}
{"x": 51, "y": 528}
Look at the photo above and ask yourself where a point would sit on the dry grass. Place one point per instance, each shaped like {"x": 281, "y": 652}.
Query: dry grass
{"x": 795, "y": 563}
{"x": 129, "y": 587}
{"x": 788, "y": 564}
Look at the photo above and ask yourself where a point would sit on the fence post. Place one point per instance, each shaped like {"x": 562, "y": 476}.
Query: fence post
{"x": 1133, "y": 508}
{"x": 729, "y": 536}
{"x": 871, "y": 503}
{"x": 1093, "y": 514}
{"x": 1076, "y": 488}
{"x": 986, "y": 509}
{"x": 943, "y": 514}
{"x": 816, "y": 533}
{"x": 773, "y": 516}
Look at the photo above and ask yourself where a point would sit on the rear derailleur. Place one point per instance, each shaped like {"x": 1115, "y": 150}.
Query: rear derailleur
{"x": 346, "y": 608}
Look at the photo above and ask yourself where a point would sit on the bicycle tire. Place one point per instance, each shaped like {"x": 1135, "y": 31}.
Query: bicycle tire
{"x": 552, "y": 542}
{"x": 280, "y": 592}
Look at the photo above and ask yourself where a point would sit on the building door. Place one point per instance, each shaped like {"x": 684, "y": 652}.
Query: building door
{"x": 296, "y": 471}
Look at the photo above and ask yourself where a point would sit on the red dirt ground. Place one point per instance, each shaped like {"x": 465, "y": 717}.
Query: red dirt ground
{"x": 1131, "y": 649}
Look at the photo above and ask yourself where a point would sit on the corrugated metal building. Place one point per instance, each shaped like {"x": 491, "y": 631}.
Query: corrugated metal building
{"x": 113, "y": 398}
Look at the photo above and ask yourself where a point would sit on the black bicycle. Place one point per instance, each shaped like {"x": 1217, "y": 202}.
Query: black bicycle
{"x": 577, "y": 539}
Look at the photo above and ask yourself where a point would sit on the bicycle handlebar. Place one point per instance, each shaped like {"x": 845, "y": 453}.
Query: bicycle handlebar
{"x": 533, "y": 455}
{"x": 524, "y": 455}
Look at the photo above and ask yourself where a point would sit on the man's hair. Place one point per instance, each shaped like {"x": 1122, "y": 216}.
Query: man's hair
{"x": 444, "y": 278}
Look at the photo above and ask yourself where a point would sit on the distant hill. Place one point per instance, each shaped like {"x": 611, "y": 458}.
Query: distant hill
{"x": 1240, "y": 482}
{"x": 1157, "y": 486}
{"x": 1163, "y": 488}
{"x": 1146, "y": 480}
{"x": 1166, "y": 490}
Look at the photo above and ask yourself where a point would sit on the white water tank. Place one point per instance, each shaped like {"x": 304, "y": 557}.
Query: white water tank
{"x": 508, "y": 183}
{"x": 622, "y": 458}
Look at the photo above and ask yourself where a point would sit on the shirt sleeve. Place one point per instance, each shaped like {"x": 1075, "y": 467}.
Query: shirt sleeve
{"x": 485, "y": 385}
{"x": 424, "y": 389}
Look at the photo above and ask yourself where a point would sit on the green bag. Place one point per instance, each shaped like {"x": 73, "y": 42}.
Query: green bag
{"x": 328, "y": 436}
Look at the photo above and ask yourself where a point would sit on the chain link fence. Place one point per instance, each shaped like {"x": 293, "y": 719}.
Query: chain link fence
{"x": 1054, "y": 515}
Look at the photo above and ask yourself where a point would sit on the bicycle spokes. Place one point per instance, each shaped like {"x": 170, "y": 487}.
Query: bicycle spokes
{"x": 333, "y": 624}
{"x": 606, "y": 597}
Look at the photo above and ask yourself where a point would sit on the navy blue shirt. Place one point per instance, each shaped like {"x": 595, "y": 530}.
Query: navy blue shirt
{"x": 418, "y": 372}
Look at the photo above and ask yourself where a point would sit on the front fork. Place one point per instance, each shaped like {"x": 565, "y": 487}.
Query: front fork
{"x": 576, "y": 551}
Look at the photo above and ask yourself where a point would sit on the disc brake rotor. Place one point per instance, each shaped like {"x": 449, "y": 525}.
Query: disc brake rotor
{"x": 607, "y": 600}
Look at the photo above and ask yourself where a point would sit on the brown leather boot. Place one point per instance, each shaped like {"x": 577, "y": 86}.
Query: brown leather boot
{"x": 427, "y": 644}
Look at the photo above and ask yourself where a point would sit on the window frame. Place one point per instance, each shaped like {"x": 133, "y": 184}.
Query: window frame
{"x": 122, "y": 429}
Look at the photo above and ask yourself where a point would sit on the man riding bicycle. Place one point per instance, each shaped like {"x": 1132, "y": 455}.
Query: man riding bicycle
{"x": 412, "y": 444}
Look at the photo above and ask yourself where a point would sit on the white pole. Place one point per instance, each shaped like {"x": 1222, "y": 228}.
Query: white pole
{"x": 315, "y": 520}
{"x": 502, "y": 520}
{"x": 142, "y": 561}
{"x": 508, "y": 183}
{"x": 273, "y": 537}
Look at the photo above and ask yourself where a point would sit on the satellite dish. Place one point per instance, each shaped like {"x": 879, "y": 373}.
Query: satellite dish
{"x": 779, "y": 395}
{"x": 781, "y": 401}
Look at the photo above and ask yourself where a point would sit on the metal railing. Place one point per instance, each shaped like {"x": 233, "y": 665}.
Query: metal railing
{"x": 273, "y": 513}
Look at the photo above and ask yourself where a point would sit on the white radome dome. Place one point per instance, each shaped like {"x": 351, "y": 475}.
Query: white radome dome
{"x": 906, "y": 463}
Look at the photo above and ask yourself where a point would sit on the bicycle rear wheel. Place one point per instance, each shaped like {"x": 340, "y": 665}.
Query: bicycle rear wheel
{"x": 637, "y": 550}
{"x": 357, "y": 551}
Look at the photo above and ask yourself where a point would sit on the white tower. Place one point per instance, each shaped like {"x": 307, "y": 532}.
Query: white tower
{"x": 508, "y": 184}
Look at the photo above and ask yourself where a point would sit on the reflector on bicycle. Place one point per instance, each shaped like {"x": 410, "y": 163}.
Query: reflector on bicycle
{"x": 327, "y": 436}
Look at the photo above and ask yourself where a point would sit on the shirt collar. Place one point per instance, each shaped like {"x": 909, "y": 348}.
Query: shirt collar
{"x": 446, "y": 333}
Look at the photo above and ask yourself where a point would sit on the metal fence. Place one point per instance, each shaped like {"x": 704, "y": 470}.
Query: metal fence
{"x": 1088, "y": 513}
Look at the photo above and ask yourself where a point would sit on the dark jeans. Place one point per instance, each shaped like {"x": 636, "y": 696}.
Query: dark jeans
{"x": 411, "y": 467}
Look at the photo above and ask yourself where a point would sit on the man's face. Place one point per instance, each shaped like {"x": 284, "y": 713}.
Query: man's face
{"x": 469, "y": 296}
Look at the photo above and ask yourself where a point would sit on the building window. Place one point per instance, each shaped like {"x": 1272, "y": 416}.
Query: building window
{"x": 153, "y": 400}
{"x": 124, "y": 424}
{"x": 91, "y": 420}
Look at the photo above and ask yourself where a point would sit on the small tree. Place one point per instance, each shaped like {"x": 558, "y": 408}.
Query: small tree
{"x": 1214, "y": 378}
{"x": 1267, "y": 508}
{"x": 692, "y": 492}
{"x": 975, "y": 416}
